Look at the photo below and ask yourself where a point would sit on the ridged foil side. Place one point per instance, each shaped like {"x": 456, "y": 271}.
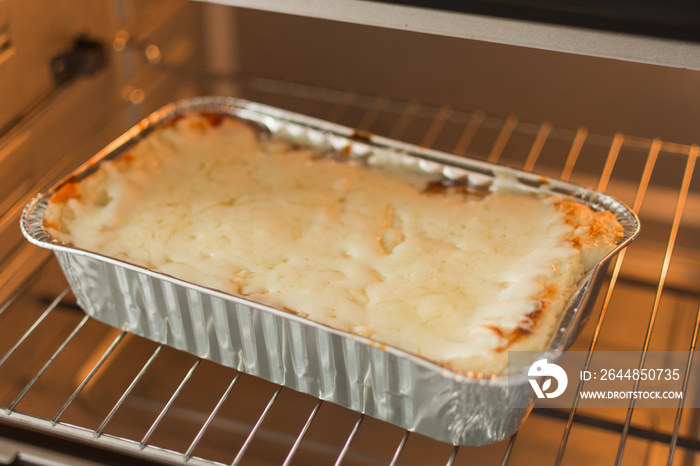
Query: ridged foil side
{"x": 255, "y": 339}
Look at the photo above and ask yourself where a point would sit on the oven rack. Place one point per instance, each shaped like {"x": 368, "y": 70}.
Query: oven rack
{"x": 144, "y": 414}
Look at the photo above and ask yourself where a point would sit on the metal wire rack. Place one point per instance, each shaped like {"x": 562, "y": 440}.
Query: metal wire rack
{"x": 66, "y": 375}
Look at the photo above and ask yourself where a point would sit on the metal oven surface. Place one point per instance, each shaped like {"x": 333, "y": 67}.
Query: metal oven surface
{"x": 68, "y": 376}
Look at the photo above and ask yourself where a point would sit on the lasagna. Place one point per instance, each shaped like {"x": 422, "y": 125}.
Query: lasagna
{"x": 379, "y": 250}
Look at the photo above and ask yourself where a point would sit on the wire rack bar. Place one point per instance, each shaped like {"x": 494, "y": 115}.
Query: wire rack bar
{"x": 502, "y": 139}
{"x": 134, "y": 382}
{"x": 643, "y": 433}
{"x": 469, "y": 132}
{"x": 425, "y": 111}
{"x": 407, "y": 115}
{"x": 638, "y": 200}
{"x": 36, "y": 323}
{"x": 212, "y": 415}
{"x": 89, "y": 376}
{"x": 408, "y": 112}
{"x": 302, "y": 433}
{"x": 11, "y": 299}
{"x": 256, "y": 427}
{"x": 453, "y": 455}
{"x": 120, "y": 444}
{"x": 399, "y": 449}
{"x": 372, "y": 113}
{"x": 436, "y": 126}
{"x": 509, "y": 449}
{"x": 342, "y": 104}
{"x": 610, "y": 162}
{"x": 48, "y": 363}
{"x": 348, "y": 441}
{"x": 680, "y": 205}
{"x": 537, "y": 146}
{"x": 681, "y": 403}
{"x": 170, "y": 402}
{"x": 573, "y": 154}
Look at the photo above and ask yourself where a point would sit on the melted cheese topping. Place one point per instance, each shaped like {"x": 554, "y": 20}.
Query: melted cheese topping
{"x": 456, "y": 281}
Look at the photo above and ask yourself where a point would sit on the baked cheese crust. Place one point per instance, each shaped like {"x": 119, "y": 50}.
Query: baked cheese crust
{"x": 453, "y": 277}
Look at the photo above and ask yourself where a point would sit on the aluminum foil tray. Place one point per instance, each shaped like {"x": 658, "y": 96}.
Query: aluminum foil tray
{"x": 353, "y": 371}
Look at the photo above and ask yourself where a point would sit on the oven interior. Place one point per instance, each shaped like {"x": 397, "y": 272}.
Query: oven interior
{"x": 74, "y": 391}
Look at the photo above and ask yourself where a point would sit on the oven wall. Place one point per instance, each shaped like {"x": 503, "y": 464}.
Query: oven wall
{"x": 33, "y": 31}
{"x": 568, "y": 90}
{"x": 47, "y": 129}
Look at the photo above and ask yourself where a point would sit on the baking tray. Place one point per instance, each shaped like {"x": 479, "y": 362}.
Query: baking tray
{"x": 347, "y": 369}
